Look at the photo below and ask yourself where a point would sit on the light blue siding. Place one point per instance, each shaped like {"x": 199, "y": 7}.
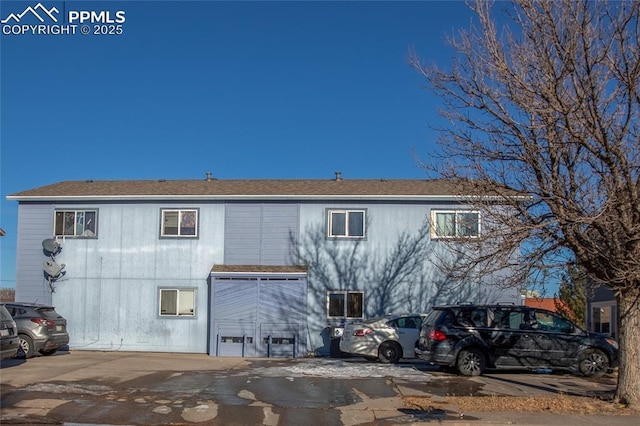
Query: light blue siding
{"x": 110, "y": 294}
{"x": 35, "y": 224}
{"x": 260, "y": 234}
{"x": 371, "y": 265}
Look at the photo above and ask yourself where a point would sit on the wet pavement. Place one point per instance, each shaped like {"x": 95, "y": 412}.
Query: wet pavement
{"x": 83, "y": 387}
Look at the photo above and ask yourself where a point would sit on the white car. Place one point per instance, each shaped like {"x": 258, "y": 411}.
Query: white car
{"x": 386, "y": 338}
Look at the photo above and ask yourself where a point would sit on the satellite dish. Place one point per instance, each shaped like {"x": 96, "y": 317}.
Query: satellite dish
{"x": 50, "y": 245}
{"x": 52, "y": 268}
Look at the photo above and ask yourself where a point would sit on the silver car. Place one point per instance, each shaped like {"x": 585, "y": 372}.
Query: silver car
{"x": 9, "y": 342}
{"x": 386, "y": 338}
{"x": 40, "y": 328}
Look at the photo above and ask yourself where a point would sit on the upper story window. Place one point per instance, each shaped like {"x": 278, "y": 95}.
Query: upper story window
{"x": 346, "y": 223}
{"x": 76, "y": 223}
{"x": 179, "y": 223}
{"x": 455, "y": 224}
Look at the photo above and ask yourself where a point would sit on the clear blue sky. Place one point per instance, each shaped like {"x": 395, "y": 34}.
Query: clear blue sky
{"x": 245, "y": 90}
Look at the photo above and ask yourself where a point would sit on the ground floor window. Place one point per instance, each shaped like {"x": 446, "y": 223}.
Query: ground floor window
{"x": 177, "y": 302}
{"x": 345, "y": 304}
{"x": 602, "y": 319}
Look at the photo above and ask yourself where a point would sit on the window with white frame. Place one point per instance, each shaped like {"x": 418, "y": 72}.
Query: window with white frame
{"x": 179, "y": 223}
{"x": 176, "y": 302}
{"x": 346, "y": 223}
{"x": 345, "y": 304}
{"x": 455, "y": 224}
{"x": 76, "y": 223}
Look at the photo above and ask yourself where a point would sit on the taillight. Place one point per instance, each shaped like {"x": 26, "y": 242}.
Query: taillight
{"x": 437, "y": 335}
{"x": 362, "y": 332}
{"x": 43, "y": 322}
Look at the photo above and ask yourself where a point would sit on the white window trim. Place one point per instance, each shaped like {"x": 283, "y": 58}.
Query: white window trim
{"x": 75, "y": 211}
{"x": 434, "y": 234}
{"x": 346, "y": 212}
{"x": 180, "y": 212}
{"x": 178, "y": 290}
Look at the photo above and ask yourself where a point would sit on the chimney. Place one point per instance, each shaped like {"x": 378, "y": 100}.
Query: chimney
{"x": 338, "y": 176}
{"x": 208, "y": 174}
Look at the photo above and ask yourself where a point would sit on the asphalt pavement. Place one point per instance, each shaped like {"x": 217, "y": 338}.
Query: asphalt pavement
{"x": 108, "y": 388}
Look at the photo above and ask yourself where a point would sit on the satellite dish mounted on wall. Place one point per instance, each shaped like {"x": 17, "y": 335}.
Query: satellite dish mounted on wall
{"x": 51, "y": 246}
{"x": 52, "y": 269}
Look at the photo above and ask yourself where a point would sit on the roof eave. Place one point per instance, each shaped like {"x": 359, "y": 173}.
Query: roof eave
{"x": 85, "y": 198}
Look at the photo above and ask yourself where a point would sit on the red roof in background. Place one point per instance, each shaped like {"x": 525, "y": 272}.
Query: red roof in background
{"x": 547, "y": 303}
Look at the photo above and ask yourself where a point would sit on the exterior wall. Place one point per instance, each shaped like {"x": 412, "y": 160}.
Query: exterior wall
{"x": 259, "y": 234}
{"x": 35, "y": 223}
{"x": 602, "y": 314}
{"x": 111, "y": 288}
{"x": 378, "y": 257}
{"x": 110, "y": 293}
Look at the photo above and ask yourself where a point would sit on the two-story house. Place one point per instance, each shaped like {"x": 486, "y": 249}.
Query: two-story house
{"x": 237, "y": 267}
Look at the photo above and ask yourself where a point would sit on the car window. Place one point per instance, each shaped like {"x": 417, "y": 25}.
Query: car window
{"x": 508, "y": 318}
{"x": 432, "y": 316}
{"x": 479, "y": 317}
{"x": 4, "y": 314}
{"x": 48, "y": 313}
{"x": 549, "y": 322}
{"x": 404, "y": 322}
{"x": 463, "y": 318}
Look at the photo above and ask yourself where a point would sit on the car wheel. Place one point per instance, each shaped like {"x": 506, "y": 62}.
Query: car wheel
{"x": 389, "y": 353}
{"x": 48, "y": 352}
{"x": 471, "y": 362}
{"x": 593, "y": 363}
{"x": 371, "y": 358}
{"x": 26, "y": 344}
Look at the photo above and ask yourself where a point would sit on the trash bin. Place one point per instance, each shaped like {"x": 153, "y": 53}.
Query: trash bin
{"x": 335, "y": 333}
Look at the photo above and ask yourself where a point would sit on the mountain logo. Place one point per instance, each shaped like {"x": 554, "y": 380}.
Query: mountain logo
{"x": 38, "y": 11}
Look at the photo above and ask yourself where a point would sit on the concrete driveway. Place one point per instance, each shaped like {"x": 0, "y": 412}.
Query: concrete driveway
{"x": 162, "y": 388}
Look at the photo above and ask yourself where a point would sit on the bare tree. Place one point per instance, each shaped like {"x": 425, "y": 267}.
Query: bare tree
{"x": 548, "y": 106}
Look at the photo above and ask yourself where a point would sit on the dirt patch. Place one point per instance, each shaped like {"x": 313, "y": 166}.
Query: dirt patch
{"x": 557, "y": 404}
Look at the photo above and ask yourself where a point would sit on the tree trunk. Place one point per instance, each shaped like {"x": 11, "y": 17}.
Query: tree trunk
{"x": 628, "y": 391}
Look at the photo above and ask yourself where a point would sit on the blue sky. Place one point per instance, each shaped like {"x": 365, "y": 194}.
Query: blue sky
{"x": 245, "y": 90}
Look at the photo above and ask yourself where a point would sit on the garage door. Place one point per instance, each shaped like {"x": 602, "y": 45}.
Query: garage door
{"x": 258, "y": 317}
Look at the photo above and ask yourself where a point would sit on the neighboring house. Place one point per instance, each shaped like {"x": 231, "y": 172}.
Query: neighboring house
{"x": 548, "y": 303}
{"x": 602, "y": 316}
{"x": 237, "y": 267}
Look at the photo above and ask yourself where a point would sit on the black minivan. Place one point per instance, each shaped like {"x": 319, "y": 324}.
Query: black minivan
{"x": 471, "y": 338}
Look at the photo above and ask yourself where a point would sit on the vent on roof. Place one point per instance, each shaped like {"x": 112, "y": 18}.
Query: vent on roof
{"x": 208, "y": 175}
{"x": 338, "y": 176}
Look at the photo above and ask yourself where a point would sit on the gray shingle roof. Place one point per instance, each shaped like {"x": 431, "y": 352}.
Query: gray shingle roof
{"x": 239, "y": 189}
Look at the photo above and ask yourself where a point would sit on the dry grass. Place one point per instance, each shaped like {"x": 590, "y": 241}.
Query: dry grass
{"x": 557, "y": 404}
{"x": 7, "y": 294}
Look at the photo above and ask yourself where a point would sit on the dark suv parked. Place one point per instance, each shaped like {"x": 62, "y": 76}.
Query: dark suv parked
{"x": 471, "y": 338}
{"x": 40, "y": 328}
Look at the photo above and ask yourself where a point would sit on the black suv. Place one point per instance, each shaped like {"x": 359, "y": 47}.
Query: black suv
{"x": 471, "y": 338}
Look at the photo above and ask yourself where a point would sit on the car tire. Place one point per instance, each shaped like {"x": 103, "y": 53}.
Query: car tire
{"x": 389, "y": 353}
{"x": 593, "y": 362}
{"x": 48, "y": 352}
{"x": 27, "y": 346}
{"x": 471, "y": 362}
